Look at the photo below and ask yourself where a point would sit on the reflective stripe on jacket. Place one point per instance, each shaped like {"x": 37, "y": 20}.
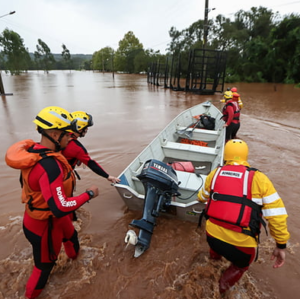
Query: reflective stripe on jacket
{"x": 230, "y": 204}
{"x": 265, "y": 195}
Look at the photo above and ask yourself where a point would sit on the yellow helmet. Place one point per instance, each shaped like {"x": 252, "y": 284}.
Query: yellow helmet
{"x": 54, "y": 117}
{"x": 83, "y": 119}
{"x": 236, "y": 150}
{"x": 228, "y": 95}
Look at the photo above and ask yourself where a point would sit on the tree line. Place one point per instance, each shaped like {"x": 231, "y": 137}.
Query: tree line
{"x": 15, "y": 58}
{"x": 261, "y": 46}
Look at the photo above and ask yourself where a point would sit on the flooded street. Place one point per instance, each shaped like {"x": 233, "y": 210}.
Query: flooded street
{"x": 128, "y": 113}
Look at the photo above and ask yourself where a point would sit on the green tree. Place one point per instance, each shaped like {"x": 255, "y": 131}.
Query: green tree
{"x": 66, "y": 57}
{"x": 142, "y": 60}
{"x": 284, "y": 50}
{"x": 37, "y": 60}
{"x": 253, "y": 43}
{"x": 44, "y": 55}
{"x": 222, "y": 32}
{"x": 247, "y": 41}
{"x": 103, "y": 60}
{"x": 129, "y": 48}
{"x": 16, "y": 56}
{"x": 187, "y": 39}
{"x": 86, "y": 65}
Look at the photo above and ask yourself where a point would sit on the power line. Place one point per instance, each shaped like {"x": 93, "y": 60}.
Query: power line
{"x": 269, "y": 6}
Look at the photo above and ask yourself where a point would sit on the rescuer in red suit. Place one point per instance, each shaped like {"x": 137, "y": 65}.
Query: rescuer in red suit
{"x": 231, "y": 116}
{"x": 47, "y": 184}
{"x": 76, "y": 153}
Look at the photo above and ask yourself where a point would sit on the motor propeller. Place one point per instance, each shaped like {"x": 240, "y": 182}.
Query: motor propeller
{"x": 160, "y": 183}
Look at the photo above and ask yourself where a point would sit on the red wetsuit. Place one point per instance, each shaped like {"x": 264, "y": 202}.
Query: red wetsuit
{"x": 47, "y": 187}
{"x": 75, "y": 152}
{"x": 231, "y": 115}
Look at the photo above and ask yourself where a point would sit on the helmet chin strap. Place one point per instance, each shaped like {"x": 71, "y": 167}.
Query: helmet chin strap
{"x": 56, "y": 143}
{"x": 82, "y": 132}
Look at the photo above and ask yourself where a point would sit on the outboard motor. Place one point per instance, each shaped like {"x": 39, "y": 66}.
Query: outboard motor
{"x": 160, "y": 183}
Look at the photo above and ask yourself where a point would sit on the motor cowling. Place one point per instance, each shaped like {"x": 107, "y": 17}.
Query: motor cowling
{"x": 160, "y": 183}
{"x": 160, "y": 175}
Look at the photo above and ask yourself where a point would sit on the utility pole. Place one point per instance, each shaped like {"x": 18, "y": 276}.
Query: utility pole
{"x": 205, "y": 33}
{"x": 205, "y": 25}
{"x": 2, "y": 92}
{"x": 112, "y": 64}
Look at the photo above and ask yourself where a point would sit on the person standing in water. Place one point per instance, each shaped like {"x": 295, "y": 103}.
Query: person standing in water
{"x": 240, "y": 102}
{"x": 47, "y": 183}
{"x": 76, "y": 153}
{"x": 231, "y": 117}
{"x": 237, "y": 198}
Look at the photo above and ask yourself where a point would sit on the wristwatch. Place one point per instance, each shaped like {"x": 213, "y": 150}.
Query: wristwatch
{"x": 90, "y": 193}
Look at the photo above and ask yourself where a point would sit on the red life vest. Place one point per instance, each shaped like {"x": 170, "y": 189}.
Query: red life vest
{"x": 22, "y": 156}
{"x": 230, "y": 204}
{"x": 236, "y": 115}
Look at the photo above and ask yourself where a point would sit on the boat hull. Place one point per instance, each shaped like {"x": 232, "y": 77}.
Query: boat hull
{"x": 172, "y": 145}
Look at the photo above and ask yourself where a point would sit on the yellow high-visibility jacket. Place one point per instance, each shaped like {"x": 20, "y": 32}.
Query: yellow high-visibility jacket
{"x": 263, "y": 194}
{"x": 240, "y": 103}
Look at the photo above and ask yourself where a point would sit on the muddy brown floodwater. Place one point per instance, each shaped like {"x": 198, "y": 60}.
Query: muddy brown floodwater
{"x": 128, "y": 114}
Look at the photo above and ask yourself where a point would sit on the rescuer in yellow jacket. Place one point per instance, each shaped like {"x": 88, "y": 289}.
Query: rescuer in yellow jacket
{"x": 237, "y": 197}
{"x": 234, "y": 90}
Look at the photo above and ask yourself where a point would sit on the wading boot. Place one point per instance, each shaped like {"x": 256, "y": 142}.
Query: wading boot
{"x": 213, "y": 255}
{"x": 229, "y": 277}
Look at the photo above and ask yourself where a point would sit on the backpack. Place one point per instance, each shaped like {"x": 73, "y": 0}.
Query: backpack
{"x": 207, "y": 121}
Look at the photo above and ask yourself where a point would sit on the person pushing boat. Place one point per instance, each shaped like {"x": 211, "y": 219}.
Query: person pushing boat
{"x": 47, "y": 182}
{"x": 76, "y": 153}
{"x": 238, "y": 197}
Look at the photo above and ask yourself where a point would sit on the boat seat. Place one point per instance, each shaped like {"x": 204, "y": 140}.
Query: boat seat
{"x": 189, "y": 147}
{"x": 201, "y": 134}
{"x": 199, "y": 130}
{"x": 189, "y": 152}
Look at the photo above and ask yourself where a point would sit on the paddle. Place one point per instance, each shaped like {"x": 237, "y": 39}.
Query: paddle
{"x": 190, "y": 133}
{"x": 183, "y": 131}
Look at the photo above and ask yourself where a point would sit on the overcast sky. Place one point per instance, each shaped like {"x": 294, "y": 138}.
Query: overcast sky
{"x": 86, "y": 26}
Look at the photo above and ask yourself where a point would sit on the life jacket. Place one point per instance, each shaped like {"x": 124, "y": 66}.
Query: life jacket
{"x": 239, "y": 101}
{"x": 23, "y": 156}
{"x": 230, "y": 204}
{"x": 236, "y": 115}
